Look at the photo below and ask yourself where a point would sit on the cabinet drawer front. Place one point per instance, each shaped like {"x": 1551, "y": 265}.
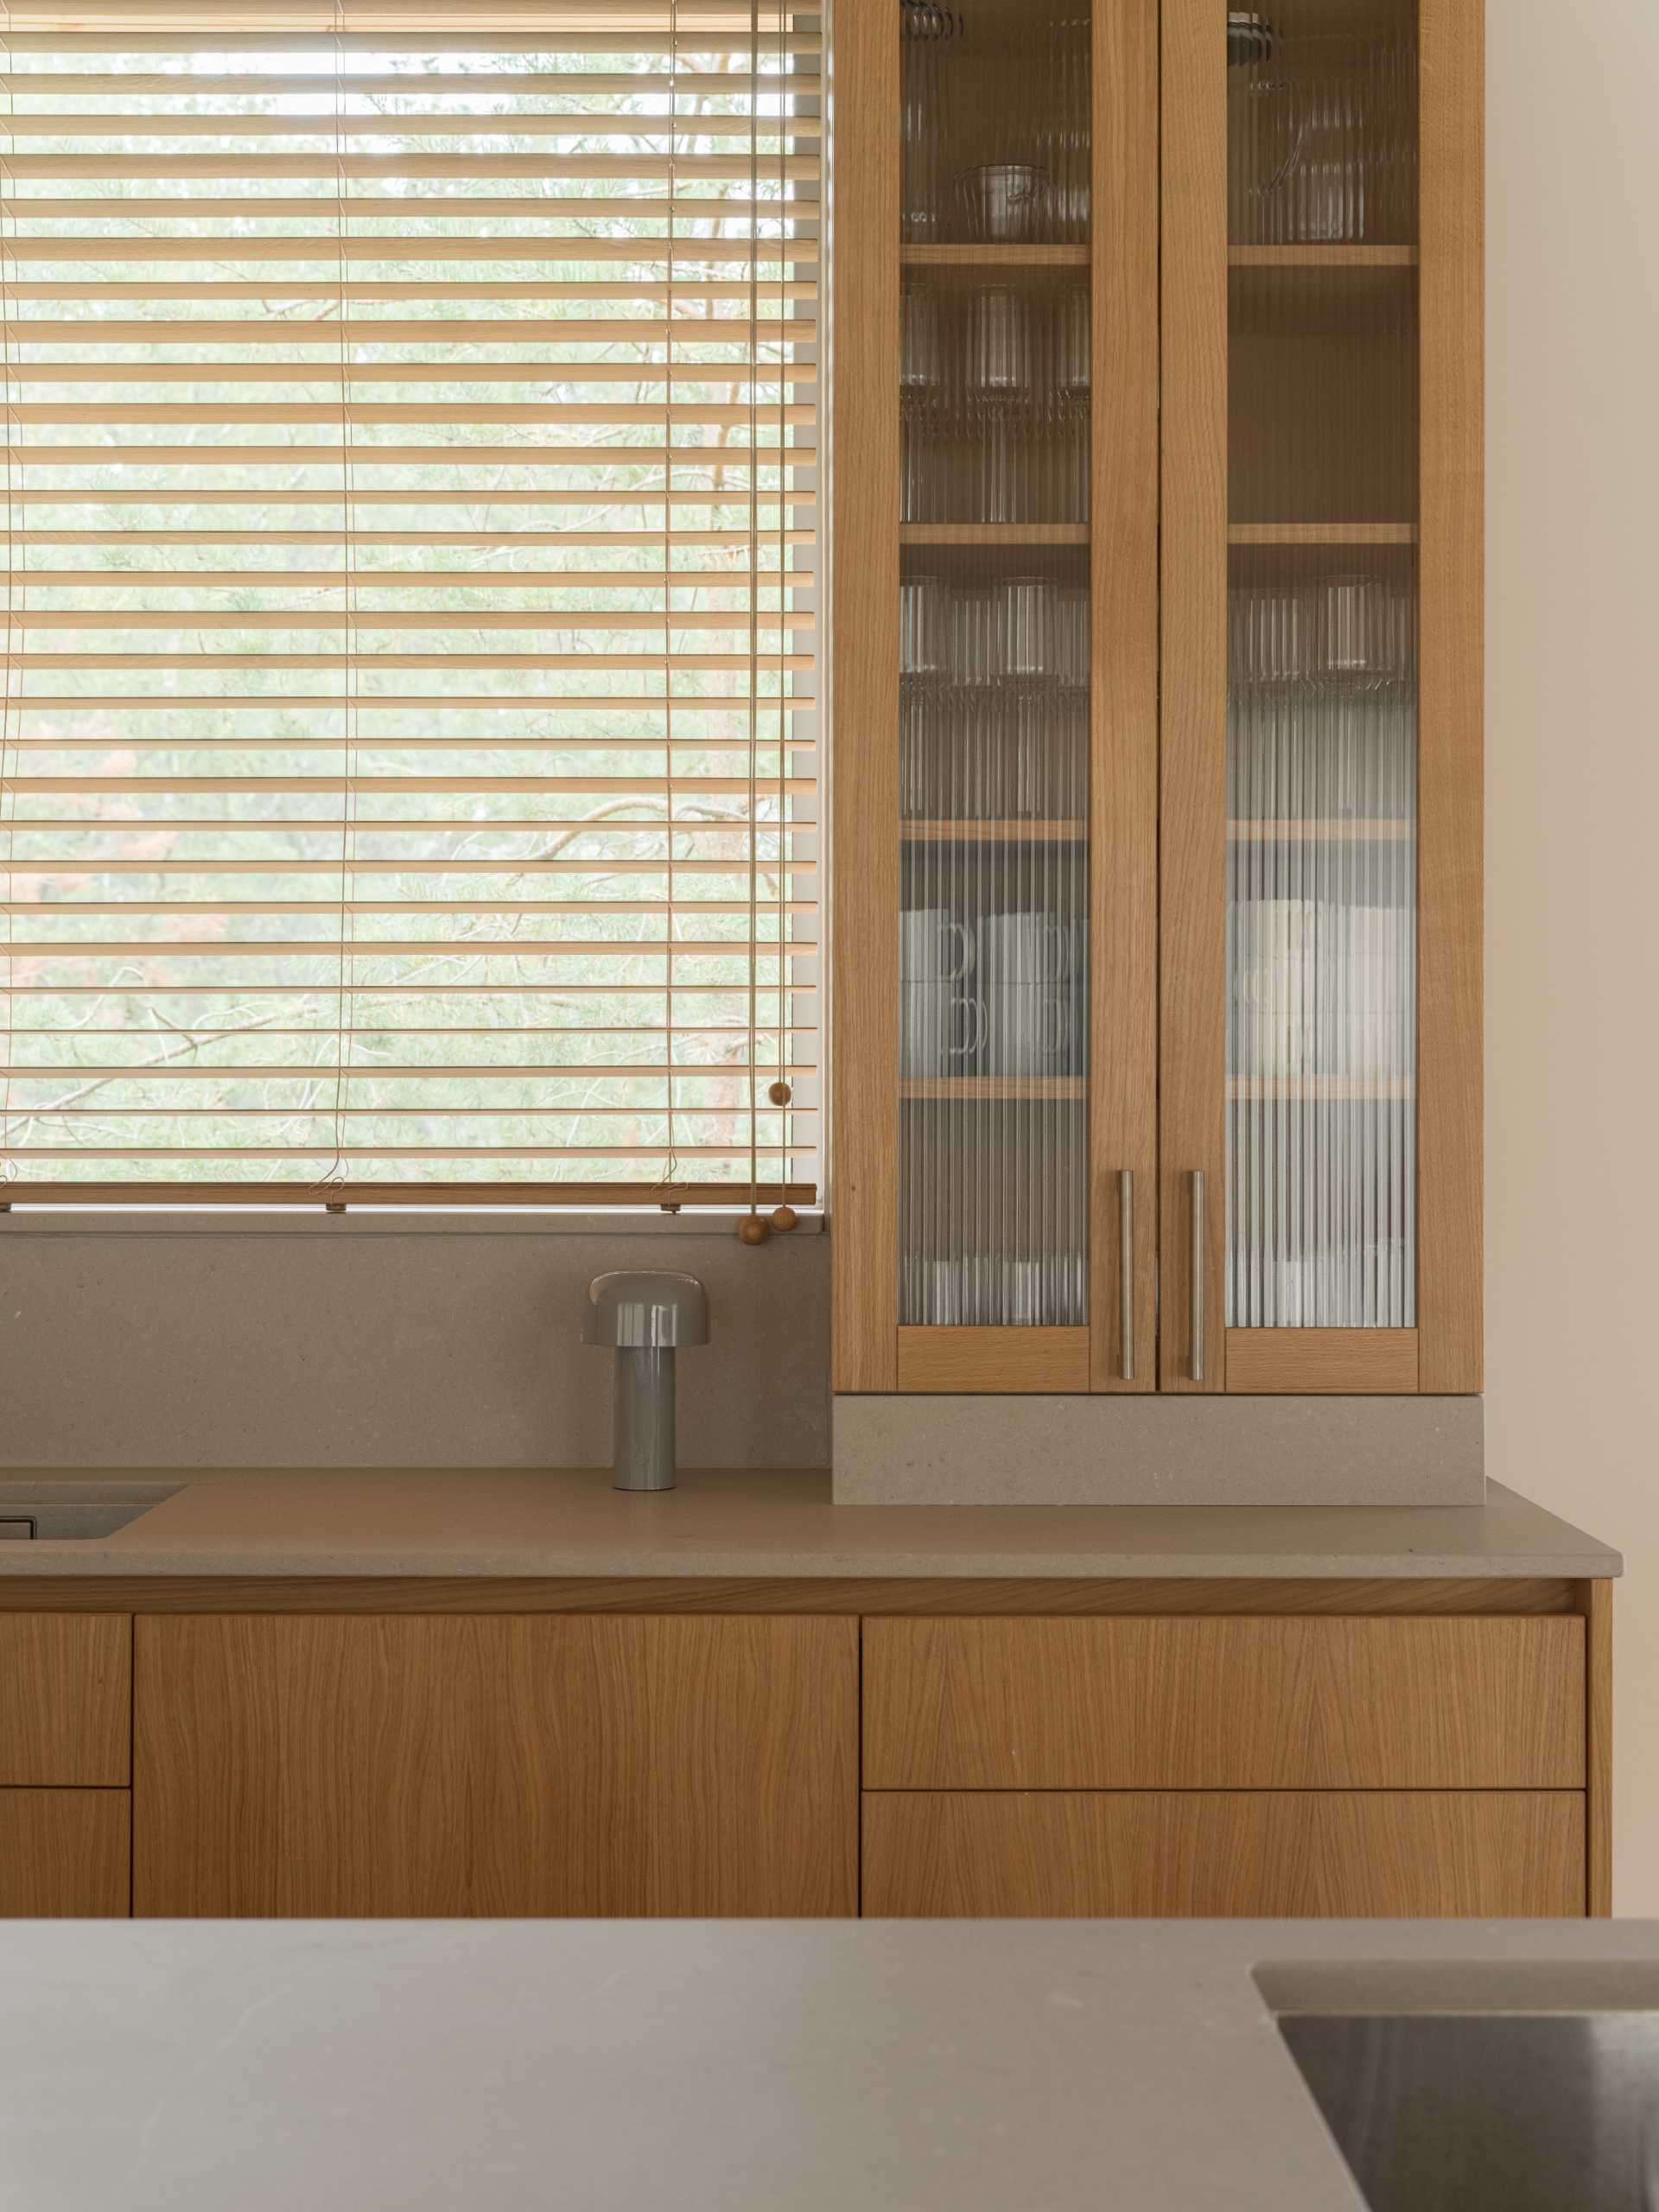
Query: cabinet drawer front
{"x": 66, "y": 1700}
{"x": 322, "y": 1766}
{"x": 1231, "y": 1703}
{"x": 65, "y": 1854}
{"x": 1274, "y": 1854}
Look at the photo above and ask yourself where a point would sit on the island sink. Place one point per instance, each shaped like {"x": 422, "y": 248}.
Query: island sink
{"x": 1489, "y": 2111}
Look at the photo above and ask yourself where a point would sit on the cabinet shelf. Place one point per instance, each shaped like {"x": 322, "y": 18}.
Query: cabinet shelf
{"x": 1322, "y": 256}
{"x": 974, "y": 833}
{"x": 1356, "y": 831}
{"x": 994, "y": 533}
{"x": 1321, "y": 1089}
{"x": 993, "y": 1086}
{"x": 970, "y": 256}
{"x": 1321, "y": 533}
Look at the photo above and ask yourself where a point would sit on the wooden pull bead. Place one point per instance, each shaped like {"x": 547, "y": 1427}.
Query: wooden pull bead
{"x": 753, "y": 1230}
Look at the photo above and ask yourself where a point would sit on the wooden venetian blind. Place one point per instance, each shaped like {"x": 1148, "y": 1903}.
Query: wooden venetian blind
{"x": 407, "y": 774}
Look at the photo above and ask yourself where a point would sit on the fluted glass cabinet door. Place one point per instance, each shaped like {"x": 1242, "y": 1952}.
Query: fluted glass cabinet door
{"x": 1321, "y": 742}
{"x": 995, "y": 609}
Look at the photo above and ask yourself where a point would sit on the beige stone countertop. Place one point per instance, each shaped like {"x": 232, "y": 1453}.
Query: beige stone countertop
{"x": 765, "y": 1524}
{"x": 757, "y": 2066}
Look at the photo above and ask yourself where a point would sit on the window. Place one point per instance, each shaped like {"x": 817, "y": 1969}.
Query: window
{"x": 407, "y": 779}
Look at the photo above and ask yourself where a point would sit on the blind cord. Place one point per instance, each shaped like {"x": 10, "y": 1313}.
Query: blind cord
{"x": 670, "y": 925}
{"x": 345, "y": 1001}
{"x": 783, "y": 1095}
{"x": 751, "y": 1076}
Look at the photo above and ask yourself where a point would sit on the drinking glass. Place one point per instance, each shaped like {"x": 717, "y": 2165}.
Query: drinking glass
{"x": 1004, "y": 203}
{"x": 999, "y": 379}
{"x": 920, "y": 402}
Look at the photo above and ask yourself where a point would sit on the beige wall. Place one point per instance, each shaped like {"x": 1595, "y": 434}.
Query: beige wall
{"x": 1573, "y": 813}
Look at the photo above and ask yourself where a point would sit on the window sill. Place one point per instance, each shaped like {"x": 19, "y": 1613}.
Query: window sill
{"x": 35, "y": 1220}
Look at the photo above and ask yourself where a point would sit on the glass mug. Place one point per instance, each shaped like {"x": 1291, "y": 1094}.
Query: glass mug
{"x": 1274, "y": 954}
{"x": 938, "y": 1028}
{"x": 1024, "y": 948}
{"x": 933, "y": 948}
{"x": 1028, "y": 1029}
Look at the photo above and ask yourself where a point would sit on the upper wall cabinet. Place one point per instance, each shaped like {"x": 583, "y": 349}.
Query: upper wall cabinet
{"x": 1157, "y": 1020}
{"x": 1320, "y": 820}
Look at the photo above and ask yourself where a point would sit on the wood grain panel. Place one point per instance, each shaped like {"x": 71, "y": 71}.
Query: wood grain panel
{"x": 979, "y": 256}
{"x": 332, "y": 1766}
{"x": 64, "y": 1854}
{"x": 1124, "y": 700}
{"x": 1599, "y": 1746}
{"x": 1220, "y": 1855}
{"x": 1193, "y": 856}
{"x": 1224, "y": 1703}
{"x": 969, "y": 1594}
{"x": 864, "y": 587}
{"x": 65, "y": 1700}
{"x": 1337, "y": 1361}
{"x": 1452, "y": 677}
{"x": 1006, "y": 1360}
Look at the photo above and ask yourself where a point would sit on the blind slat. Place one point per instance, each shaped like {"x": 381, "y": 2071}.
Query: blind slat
{"x": 120, "y": 169}
{"x": 655, "y": 290}
{"x": 285, "y": 331}
{"x": 689, "y": 83}
{"x": 413, "y": 124}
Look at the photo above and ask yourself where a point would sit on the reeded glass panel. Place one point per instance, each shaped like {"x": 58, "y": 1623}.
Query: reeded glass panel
{"x": 1322, "y": 676}
{"x": 993, "y": 397}
{"x": 1322, "y": 123}
{"x": 993, "y": 681}
{"x": 995, "y": 100}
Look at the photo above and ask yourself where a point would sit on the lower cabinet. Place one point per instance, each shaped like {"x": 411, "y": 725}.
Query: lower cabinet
{"x": 1213, "y": 1767}
{"x": 65, "y": 1854}
{"x": 65, "y": 1730}
{"x": 320, "y": 1765}
{"x": 1271, "y": 1763}
{"x": 1215, "y": 1854}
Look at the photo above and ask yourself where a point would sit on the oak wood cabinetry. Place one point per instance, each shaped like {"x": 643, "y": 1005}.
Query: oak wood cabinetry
{"x": 65, "y": 1734}
{"x": 1172, "y": 1082}
{"x": 320, "y": 1766}
{"x": 65, "y": 1700}
{"x": 65, "y": 1854}
{"x": 1223, "y": 1854}
{"x": 1224, "y": 1703}
{"x": 1226, "y": 1766}
{"x": 809, "y": 1748}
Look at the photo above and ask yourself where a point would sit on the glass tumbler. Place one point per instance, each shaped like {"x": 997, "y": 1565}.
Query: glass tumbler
{"x": 999, "y": 362}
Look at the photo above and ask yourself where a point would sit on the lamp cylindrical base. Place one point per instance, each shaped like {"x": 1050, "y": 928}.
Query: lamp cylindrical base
{"x": 644, "y": 1443}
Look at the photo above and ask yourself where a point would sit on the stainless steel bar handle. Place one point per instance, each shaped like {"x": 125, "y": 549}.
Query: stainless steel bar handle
{"x": 1126, "y": 1266}
{"x": 1197, "y": 1274}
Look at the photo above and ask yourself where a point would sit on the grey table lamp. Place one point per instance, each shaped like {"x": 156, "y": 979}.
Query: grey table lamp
{"x": 646, "y": 1318}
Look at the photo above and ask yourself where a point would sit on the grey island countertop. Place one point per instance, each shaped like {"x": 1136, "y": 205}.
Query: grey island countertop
{"x": 755, "y": 1523}
{"x": 719, "y": 2066}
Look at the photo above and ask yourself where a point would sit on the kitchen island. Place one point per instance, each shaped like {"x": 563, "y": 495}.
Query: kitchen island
{"x": 1133, "y": 2066}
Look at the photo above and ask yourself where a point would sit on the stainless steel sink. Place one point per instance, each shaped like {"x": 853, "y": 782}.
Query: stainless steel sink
{"x": 51, "y": 1514}
{"x": 1503, "y": 2111}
